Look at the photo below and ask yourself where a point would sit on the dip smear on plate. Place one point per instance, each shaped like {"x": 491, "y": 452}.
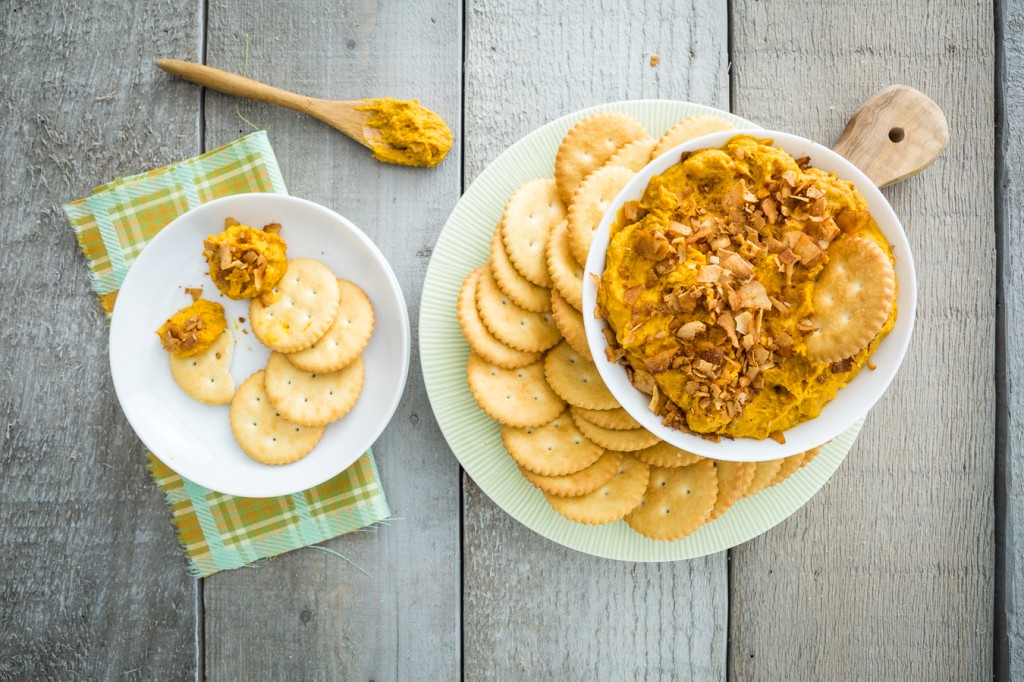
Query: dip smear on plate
{"x": 744, "y": 290}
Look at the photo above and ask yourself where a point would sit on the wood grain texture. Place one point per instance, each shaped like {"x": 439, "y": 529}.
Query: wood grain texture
{"x": 89, "y": 559}
{"x": 310, "y": 615}
{"x": 533, "y": 609}
{"x": 1010, "y": 196}
{"x": 888, "y": 573}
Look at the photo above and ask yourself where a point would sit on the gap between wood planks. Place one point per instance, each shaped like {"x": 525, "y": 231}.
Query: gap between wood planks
{"x": 1000, "y": 641}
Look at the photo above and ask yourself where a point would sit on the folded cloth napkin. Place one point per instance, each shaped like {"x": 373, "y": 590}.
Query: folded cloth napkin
{"x": 217, "y": 531}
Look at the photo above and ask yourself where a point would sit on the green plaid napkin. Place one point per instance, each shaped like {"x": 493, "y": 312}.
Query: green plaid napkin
{"x": 217, "y": 531}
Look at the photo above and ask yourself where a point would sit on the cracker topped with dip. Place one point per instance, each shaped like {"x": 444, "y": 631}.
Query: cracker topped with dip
{"x": 744, "y": 290}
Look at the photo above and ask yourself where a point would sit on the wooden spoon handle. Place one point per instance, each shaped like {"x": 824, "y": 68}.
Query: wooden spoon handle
{"x": 231, "y": 84}
{"x": 895, "y": 134}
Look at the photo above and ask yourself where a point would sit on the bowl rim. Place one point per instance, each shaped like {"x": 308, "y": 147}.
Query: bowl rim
{"x": 848, "y": 406}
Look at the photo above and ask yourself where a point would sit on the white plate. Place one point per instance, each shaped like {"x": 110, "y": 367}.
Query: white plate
{"x": 475, "y": 438}
{"x": 853, "y": 400}
{"x": 195, "y": 440}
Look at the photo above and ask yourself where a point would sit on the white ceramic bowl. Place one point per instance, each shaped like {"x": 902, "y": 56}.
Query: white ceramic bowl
{"x": 195, "y": 440}
{"x": 852, "y": 401}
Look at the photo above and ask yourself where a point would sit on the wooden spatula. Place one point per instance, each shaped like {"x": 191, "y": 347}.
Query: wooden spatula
{"x": 895, "y": 134}
{"x": 391, "y": 143}
{"x": 343, "y": 115}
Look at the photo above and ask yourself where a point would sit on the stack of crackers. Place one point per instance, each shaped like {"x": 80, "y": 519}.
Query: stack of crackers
{"x": 317, "y": 327}
{"x": 531, "y": 368}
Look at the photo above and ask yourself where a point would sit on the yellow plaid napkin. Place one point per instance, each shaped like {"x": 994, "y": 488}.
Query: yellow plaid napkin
{"x": 217, "y": 531}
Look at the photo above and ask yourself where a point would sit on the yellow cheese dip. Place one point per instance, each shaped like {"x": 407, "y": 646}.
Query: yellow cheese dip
{"x": 410, "y": 134}
{"x": 708, "y": 287}
{"x": 192, "y": 329}
{"x": 244, "y": 261}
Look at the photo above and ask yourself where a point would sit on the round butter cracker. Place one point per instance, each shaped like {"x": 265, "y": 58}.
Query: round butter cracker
{"x": 588, "y": 206}
{"x": 312, "y": 398}
{"x": 510, "y": 324}
{"x": 522, "y": 291}
{"x": 529, "y": 215}
{"x": 480, "y": 340}
{"x": 553, "y": 449}
{"x": 589, "y": 144}
{"x": 515, "y": 397}
{"x": 262, "y": 432}
{"x": 852, "y": 299}
{"x": 345, "y": 339}
{"x": 688, "y": 129}
{"x": 623, "y": 441}
{"x": 566, "y": 273}
{"x": 580, "y": 483}
{"x": 666, "y": 455}
{"x": 612, "y": 501}
{"x": 616, "y": 419}
{"x": 734, "y": 479}
{"x": 764, "y": 474}
{"x": 205, "y": 376}
{"x": 576, "y": 379}
{"x": 677, "y": 501}
{"x": 570, "y": 323}
{"x": 305, "y": 304}
{"x": 634, "y": 155}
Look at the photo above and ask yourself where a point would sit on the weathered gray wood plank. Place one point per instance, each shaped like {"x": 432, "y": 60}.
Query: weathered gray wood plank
{"x": 308, "y": 614}
{"x": 1010, "y": 189}
{"x": 533, "y": 609}
{"x": 888, "y": 573}
{"x": 89, "y": 560}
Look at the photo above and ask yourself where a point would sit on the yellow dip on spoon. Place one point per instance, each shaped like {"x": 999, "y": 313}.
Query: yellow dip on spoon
{"x": 409, "y": 133}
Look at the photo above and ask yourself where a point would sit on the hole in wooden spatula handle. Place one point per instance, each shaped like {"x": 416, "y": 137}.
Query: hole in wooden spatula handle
{"x": 894, "y": 135}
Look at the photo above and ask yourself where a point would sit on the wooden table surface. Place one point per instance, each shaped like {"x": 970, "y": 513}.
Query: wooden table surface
{"x": 905, "y": 566}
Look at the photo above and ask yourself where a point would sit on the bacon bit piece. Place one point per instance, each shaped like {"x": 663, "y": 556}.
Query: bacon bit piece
{"x": 230, "y": 222}
{"x": 272, "y": 228}
{"x": 778, "y": 437}
{"x": 630, "y": 210}
{"x": 770, "y": 209}
{"x": 789, "y": 177}
{"x": 690, "y": 330}
{"x": 783, "y": 340}
{"x": 726, "y": 322}
{"x": 225, "y": 256}
{"x": 841, "y": 366}
{"x": 806, "y": 325}
{"x": 850, "y": 220}
{"x": 633, "y": 294}
{"x": 733, "y": 197}
{"x": 195, "y": 292}
{"x": 736, "y": 264}
{"x": 720, "y": 242}
{"x": 777, "y": 304}
{"x": 807, "y": 249}
{"x": 760, "y": 356}
{"x": 748, "y": 196}
{"x": 744, "y": 323}
{"x": 803, "y": 162}
{"x": 753, "y": 295}
{"x": 709, "y": 274}
{"x": 774, "y": 245}
{"x": 787, "y": 257}
{"x": 643, "y": 381}
{"x": 653, "y": 247}
{"x": 659, "y": 362}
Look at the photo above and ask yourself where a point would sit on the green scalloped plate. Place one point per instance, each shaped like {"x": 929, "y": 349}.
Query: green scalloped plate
{"x": 475, "y": 438}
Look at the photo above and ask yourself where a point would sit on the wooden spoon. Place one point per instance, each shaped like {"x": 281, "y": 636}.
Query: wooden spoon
{"x": 410, "y": 134}
{"x": 895, "y": 134}
{"x": 345, "y": 116}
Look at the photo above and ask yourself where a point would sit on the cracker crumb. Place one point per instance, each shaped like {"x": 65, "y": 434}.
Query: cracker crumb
{"x": 655, "y": 59}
